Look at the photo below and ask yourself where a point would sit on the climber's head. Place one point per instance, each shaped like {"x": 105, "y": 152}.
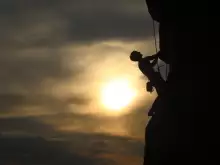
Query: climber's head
{"x": 135, "y": 56}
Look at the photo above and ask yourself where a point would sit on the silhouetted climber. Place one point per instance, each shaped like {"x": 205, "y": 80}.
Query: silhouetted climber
{"x": 146, "y": 67}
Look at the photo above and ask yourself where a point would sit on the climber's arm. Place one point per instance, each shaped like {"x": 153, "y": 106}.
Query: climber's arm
{"x": 153, "y": 57}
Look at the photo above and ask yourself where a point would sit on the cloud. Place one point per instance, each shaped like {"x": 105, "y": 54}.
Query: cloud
{"x": 63, "y": 101}
{"x": 37, "y": 105}
{"x": 130, "y": 125}
{"x": 44, "y": 114}
{"x": 76, "y": 148}
{"x": 58, "y": 118}
{"x": 23, "y": 70}
{"x": 54, "y": 23}
{"x": 25, "y": 125}
{"x": 54, "y": 54}
{"x": 34, "y": 34}
{"x": 39, "y": 151}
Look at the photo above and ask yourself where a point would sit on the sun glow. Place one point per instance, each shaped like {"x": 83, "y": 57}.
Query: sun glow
{"x": 117, "y": 94}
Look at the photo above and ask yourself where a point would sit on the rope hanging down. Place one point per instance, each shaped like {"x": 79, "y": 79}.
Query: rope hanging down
{"x": 155, "y": 39}
{"x": 155, "y": 44}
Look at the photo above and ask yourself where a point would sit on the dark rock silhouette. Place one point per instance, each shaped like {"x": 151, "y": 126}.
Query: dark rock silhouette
{"x": 171, "y": 134}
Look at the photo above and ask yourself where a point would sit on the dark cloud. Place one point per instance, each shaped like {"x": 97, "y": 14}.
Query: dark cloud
{"x": 78, "y": 100}
{"x": 46, "y": 23}
{"x": 10, "y": 103}
{"x": 24, "y": 70}
{"x": 109, "y": 24}
{"x": 97, "y": 143}
{"x": 39, "y": 151}
{"x": 25, "y": 125}
{"x": 75, "y": 148}
{"x": 33, "y": 150}
{"x": 10, "y": 100}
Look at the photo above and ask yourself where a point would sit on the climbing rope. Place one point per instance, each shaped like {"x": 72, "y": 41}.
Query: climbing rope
{"x": 155, "y": 39}
{"x": 155, "y": 44}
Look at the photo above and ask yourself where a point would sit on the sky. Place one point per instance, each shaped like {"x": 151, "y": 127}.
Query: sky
{"x": 56, "y": 58}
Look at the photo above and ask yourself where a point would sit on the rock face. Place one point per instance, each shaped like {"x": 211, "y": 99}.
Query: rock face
{"x": 170, "y": 135}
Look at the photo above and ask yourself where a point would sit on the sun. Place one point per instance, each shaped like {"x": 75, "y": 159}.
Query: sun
{"x": 117, "y": 94}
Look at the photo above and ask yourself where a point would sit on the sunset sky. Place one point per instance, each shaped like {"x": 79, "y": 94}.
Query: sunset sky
{"x": 59, "y": 65}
